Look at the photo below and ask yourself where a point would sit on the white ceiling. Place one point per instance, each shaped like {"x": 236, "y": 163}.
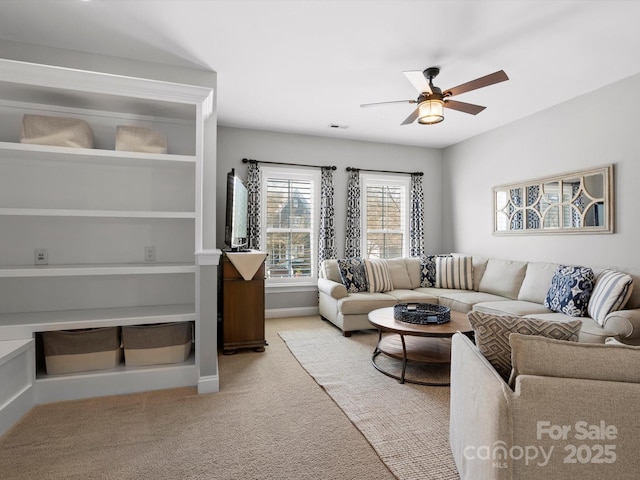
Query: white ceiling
{"x": 298, "y": 66}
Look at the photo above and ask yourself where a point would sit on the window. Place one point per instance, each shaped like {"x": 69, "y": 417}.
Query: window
{"x": 385, "y": 216}
{"x": 290, "y": 205}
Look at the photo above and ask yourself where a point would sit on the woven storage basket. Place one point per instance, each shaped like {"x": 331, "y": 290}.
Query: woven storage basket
{"x": 139, "y": 139}
{"x": 157, "y": 344}
{"x": 81, "y": 350}
{"x": 56, "y": 131}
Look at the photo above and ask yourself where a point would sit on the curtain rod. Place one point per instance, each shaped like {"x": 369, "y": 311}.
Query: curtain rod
{"x": 351, "y": 169}
{"x": 250, "y": 160}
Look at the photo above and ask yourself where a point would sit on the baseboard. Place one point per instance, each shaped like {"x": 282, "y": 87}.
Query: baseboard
{"x": 209, "y": 384}
{"x": 291, "y": 312}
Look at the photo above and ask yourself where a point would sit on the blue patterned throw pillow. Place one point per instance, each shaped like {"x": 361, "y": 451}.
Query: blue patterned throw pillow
{"x": 428, "y": 270}
{"x": 570, "y": 290}
{"x": 354, "y": 274}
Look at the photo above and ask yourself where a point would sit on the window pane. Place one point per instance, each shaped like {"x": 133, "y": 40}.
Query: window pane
{"x": 289, "y": 254}
{"x": 385, "y": 245}
{"x": 289, "y": 218}
{"x": 385, "y": 220}
{"x": 289, "y": 203}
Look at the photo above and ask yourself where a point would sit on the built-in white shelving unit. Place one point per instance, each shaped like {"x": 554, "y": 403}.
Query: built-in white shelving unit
{"x": 96, "y": 211}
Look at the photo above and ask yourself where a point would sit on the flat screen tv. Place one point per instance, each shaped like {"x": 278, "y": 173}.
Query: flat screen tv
{"x": 235, "y": 230}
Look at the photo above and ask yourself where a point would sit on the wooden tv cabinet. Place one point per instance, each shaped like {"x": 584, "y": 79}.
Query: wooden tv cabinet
{"x": 242, "y": 309}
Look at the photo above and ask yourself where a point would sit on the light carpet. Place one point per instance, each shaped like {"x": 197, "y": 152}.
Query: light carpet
{"x": 270, "y": 420}
{"x": 407, "y": 424}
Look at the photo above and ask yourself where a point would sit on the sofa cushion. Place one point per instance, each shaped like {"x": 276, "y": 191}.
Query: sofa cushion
{"x": 537, "y": 281}
{"x": 436, "y": 292}
{"x": 464, "y": 300}
{"x": 330, "y": 270}
{"x": 591, "y": 331}
{"x": 516, "y": 308}
{"x": 399, "y": 274}
{"x": 378, "y": 275}
{"x": 412, "y": 296}
{"x": 503, "y": 277}
{"x": 454, "y": 272}
{"x": 492, "y": 335}
{"x": 554, "y": 358}
{"x": 364, "y": 302}
{"x": 353, "y": 274}
{"x": 610, "y": 293}
{"x": 479, "y": 267}
{"x": 413, "y": 269}
{"x": 570, "y": 290}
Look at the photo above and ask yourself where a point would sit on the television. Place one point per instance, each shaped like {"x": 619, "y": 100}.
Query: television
{"x": 235, "y": 228}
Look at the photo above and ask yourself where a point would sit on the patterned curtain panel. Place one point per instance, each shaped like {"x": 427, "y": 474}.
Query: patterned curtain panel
{"x": 253, "y": 189}
{"x": 327, "y": 232}
{"x": 352, "y": 243}
{"x": 416, "y": 225}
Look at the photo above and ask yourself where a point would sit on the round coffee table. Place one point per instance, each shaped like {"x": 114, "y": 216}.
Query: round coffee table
{"x": 426, "y": 344}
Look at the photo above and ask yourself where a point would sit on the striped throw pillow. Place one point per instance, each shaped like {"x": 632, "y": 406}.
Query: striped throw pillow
{"x": 378, "y": 275}
{"x": 454, "y": 272}
{"x": 611, "y": 292}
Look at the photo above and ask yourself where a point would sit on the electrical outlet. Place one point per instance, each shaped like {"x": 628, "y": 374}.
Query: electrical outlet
{"x": 41, "y": 256}
{"x": 150, "y": 254}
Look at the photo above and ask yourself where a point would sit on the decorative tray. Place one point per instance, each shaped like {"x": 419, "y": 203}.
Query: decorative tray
{"x": 421, "y": 313}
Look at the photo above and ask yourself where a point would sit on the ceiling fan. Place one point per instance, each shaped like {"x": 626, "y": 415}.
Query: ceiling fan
{"x": 432, "y": 100}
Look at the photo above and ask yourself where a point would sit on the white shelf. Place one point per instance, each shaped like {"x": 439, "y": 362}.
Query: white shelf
{"x": 24, "y": 324}
{"x": 118, "y": 380}
{"x": 10, "y": 349}
{"x": 60, "y": 212}
{"x": 23, "y": 151}
{"x": 103, "y": 205}
{"x": 24, "y": 81}
{"x": 95, "y": 269}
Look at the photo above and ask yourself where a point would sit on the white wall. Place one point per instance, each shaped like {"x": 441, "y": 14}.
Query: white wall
{"x": 234, "y": 144}
{"x": 588, "y": 131}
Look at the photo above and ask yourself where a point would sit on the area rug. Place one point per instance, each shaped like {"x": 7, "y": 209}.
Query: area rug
{"x": 407, "y": 425}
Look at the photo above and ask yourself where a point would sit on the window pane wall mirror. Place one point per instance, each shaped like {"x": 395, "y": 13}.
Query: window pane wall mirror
{"x": 578, "y": 202}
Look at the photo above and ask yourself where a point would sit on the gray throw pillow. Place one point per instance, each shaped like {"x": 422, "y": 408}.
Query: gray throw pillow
{"x": 492, "y": 335}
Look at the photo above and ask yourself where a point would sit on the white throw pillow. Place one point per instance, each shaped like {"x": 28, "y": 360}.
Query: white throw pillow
{"x": 454, "y": 272}
{"x": 611, "y": 292}
{"x": 378, "y": 275}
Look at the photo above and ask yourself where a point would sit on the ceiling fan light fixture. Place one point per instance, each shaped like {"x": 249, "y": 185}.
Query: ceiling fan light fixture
{"x": 431, "y": 111}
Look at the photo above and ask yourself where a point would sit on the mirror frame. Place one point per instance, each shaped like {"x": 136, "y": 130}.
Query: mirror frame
{"x": 518, "y": 215}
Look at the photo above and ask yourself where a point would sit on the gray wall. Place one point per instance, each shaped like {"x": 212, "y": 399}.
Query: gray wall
{"x": 234, "y": 144}
{"x": 588, "y": 131}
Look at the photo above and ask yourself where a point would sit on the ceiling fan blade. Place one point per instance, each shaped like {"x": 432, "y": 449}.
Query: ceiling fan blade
{"x": 364, "y": 105}
{"x": 411, "y": 118}
{"x": 485, "y": 81}
{"x": 417, "y": 79}
{"x": 463, "y": 107}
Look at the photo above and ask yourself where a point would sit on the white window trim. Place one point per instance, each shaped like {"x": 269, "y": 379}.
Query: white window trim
{"x": 367, "y": 179}
{"x": 292, "y": 173}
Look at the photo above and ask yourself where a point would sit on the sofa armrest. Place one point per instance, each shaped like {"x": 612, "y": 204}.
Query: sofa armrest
{"x": 479, "y": 410}
{"x": 333, "y": 289}
{"x": 626, "y": 324}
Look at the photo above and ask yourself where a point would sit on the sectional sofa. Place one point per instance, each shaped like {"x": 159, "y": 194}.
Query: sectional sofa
{"x": 498, "y": 286}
